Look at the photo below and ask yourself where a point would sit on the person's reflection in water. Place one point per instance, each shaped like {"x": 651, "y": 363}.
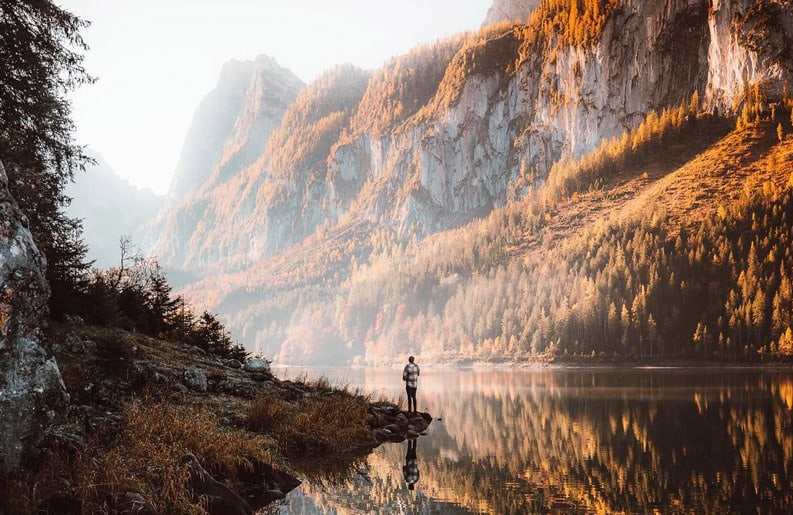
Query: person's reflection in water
{"x": 411, "y": 469}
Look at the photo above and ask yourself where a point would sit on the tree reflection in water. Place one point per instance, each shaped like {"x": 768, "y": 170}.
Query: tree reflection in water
{"x": 608, "y": 440}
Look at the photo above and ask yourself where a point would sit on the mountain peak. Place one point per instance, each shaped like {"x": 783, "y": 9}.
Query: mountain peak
{"x": 510, "y": 10}
{"x": 239, "y": 93}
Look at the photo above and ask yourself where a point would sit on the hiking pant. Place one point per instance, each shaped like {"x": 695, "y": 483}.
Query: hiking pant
{"x": 411, "y": 398}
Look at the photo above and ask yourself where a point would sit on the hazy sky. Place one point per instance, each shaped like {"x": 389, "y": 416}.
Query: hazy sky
{"x": 156, "y": 59}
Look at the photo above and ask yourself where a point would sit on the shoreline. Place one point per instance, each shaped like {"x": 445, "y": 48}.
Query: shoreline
{"x": 560, "y": 365}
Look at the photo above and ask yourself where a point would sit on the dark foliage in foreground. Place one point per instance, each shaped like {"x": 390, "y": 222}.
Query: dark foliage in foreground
{"x": 136, "y": 296}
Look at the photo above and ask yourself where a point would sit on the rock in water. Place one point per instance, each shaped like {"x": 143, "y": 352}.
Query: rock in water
{"x": 219, "y": 498}
{"x": 32, "y": 393}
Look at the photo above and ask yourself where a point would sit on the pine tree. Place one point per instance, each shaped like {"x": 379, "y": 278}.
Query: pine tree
{"x": 693, "y": 106}
{"x": 162, "y": 306}
{"x": 40, "y": 52}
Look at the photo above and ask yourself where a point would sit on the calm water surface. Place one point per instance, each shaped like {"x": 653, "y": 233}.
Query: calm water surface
{"x": 578, "y": 441}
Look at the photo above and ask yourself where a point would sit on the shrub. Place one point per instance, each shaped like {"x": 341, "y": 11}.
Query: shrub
{"x": 145, "y": 459}
{"x": 322, "y": 420}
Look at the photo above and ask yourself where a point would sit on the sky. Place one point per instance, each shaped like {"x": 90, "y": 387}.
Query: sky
{"x": 156, "y": 59}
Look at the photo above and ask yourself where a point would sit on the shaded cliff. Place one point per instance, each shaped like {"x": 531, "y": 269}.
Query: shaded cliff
{"x": 32, "y": 393}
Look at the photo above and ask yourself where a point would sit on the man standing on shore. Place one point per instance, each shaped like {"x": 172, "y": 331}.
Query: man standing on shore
{"x": 411, "y": 377}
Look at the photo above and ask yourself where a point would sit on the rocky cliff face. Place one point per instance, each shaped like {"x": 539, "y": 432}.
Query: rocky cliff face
{"x": 234, "y": 120}
{"x": 31, "y": 390}
{"x": 466, "y": 132}
{"x": 462, "y": 160}
{"x": 270, "y": 202}
{"x": 749, "y": 42}
{"x": 228, "y": 133}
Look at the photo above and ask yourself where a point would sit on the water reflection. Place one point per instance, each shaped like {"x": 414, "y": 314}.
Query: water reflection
{"x": 410, "y": 470}
{"x": 582, "y": 441}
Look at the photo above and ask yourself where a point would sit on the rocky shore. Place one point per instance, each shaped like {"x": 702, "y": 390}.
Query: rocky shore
{"x": 130, "y": 393}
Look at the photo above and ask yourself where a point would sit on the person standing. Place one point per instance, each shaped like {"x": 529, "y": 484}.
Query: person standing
{"x": 411, "y": 377}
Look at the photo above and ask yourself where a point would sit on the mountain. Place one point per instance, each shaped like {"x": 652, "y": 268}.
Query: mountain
{"x": 110, "y": 208}
{"x": 233, "y": 121}
{"x": 451, "y": 204}
{"x": 510, "y": 10}
{"x": 229, "y": 130}
{"x": 275, "y": 200}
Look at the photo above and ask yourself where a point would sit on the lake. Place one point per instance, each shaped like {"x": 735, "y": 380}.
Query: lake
{"x": 574, "y": 441}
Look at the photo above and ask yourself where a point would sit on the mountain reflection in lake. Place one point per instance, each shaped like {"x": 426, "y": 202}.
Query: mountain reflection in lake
{"x": 580, "y": 440}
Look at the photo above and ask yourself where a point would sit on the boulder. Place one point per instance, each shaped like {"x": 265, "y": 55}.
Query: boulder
{"x": 195, "y": 380}
{"x": 32, "y": 394}
{"x": 257, "y": 365}
{"x": 237, "y": 388}
{"x": 261, "y": 483}
{"x": 232, "y": 363}
{"x": 218, "y": 497}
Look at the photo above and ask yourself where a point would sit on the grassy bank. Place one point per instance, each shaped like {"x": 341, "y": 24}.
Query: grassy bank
{"x": 140, "y": 406}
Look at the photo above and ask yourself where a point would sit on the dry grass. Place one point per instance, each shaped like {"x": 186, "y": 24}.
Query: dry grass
{"x": 322, "y": 420}
{"x": 145, "y": 459}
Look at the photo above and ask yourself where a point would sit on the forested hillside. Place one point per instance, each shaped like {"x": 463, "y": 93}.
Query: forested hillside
{"x": 608, "y": 180}
{"x": 670, "y": 242}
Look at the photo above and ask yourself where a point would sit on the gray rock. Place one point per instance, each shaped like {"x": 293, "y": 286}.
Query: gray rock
{"x": 257, "y": 365}
{"x": 238, "y": 388}
{"x": 392, "y": 428}
{"x": 180, "y": 388}
{"x": 68, "y": 440}
{"x": 32, "y": 394}
{"x": 232, "y": 363}
{"x": 74, "y": 344}
{"x": 381, "y": 435}
{"x": 276, "y": 494}
{"x": 146, "y": 372}
{"x": 195, "y": 380}
{"x": 74, "y": 319}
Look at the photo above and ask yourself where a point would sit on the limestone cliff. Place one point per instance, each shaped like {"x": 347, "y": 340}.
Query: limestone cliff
{"x": 270, "y": 202}
{"x": 561, "y": 100}
{"x": 446, "y": 134}
{"x": 228, "y": 133}
{"x": 233, "y": 120}
{"x": 31, "y": 390}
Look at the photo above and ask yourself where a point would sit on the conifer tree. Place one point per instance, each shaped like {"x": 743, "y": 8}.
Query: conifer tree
{"x": 40, "y": 52}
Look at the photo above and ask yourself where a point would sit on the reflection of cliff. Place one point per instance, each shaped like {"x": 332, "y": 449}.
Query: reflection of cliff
{"x": 616, "y": 440}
